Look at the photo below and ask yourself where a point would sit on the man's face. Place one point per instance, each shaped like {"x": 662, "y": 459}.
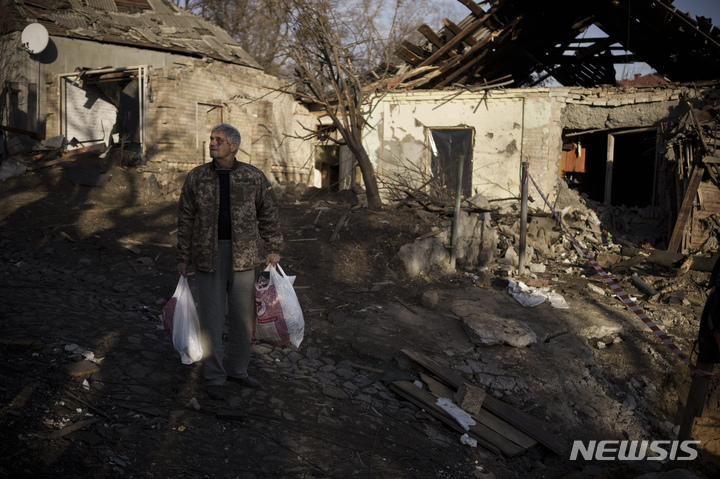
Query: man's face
{"x": 219, "y": 147}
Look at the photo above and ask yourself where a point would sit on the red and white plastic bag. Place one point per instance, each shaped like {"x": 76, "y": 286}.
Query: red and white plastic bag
{"x": 279, "y": 317}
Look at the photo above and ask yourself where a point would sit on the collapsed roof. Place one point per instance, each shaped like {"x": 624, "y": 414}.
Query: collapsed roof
{"x": 149, "y": 24}
{"x": 526, "y": 41}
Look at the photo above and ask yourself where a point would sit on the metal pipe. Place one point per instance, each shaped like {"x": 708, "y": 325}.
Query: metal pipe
{"x": 523, "y": 218}
{"x": 455, "y": 225}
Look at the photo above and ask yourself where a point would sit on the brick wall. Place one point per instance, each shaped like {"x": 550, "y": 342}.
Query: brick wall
{"x": 189, "y": 99}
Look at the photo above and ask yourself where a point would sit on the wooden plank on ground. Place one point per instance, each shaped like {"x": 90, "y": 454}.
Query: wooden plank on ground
{"x": 486, "y": 418}
{"x": 505, "y": 429}
{"x": 529, "y": 425}
{"x": 486, "y": 437}
{"x": 338, "y": 227}
{"x": 405, "y": 389}
{"x": 437, "y": 388}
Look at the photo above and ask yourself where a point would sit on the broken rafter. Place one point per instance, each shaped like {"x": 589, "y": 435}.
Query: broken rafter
{"x": 416, "y": 50}
{"x": 690, "y": 22}
{"x": 686, "y": 207}
{"x": 404, "y": 53}
{"x": 455, "y": 30}
{"x": 597, "y": 47}
{"x": 428, "y": 75}
{"x": 473, "y": 7}
{"x": 433, "y": 37}
{"x": 469, "y": 64}
{"x": 453, "y": 42}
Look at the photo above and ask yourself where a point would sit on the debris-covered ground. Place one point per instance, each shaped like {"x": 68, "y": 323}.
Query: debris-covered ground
{"x": 91, "y": 386}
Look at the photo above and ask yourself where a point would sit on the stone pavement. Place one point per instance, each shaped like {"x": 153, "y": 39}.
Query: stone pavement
{"x": 92, "y": 387}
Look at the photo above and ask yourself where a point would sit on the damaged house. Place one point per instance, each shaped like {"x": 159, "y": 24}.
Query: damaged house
{"x": 144, "y": 76}
{"x": 643, "y": 156}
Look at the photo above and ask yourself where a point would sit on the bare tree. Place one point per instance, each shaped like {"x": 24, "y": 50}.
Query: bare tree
{"x": 259, "y": 26}
{"x": 327, "y": 75}
{"x": 382, "y": 25}
{"x": 12, "y": 58}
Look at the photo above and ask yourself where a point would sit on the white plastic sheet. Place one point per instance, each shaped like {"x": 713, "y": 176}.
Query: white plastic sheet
{"x": 530, "y": 297}
{"x": 459, "y": 414}
{"x": 184, "y": 324}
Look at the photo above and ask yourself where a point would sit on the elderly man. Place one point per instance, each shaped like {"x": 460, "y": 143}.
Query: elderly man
{"x": 228, "y": 216}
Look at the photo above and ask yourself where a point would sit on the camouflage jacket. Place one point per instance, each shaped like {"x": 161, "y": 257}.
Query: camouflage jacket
{"x": 254, "y": 216}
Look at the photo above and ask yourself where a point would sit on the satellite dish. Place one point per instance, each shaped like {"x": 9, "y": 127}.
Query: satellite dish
{"x": 34, "y": 38}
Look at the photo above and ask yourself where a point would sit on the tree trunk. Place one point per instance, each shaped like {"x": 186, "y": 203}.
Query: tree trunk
{"x": 368, "y": 173}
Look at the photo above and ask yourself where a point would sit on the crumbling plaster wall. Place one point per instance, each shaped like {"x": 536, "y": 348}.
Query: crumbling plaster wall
{"x": 249, "y": 99}
{"x": 615, "y": 107}
{"x": 509, "y": 125}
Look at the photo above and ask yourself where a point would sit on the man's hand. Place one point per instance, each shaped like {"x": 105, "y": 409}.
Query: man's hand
{"x": 182, "y": 269}
{"x": 272, "y": 259}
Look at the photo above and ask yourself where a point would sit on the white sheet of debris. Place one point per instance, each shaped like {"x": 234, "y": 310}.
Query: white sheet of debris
{"x": 460, "y": 415}
{"x": 529, "y": 297}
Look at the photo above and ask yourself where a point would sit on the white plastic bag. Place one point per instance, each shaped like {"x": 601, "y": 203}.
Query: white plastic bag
{"x": 181, "y": 321}
{"x": 279, "y": 319}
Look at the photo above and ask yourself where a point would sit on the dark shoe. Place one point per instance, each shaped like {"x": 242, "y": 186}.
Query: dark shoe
{"x": 247, "y": 382}
{"x": 216, "y": 392}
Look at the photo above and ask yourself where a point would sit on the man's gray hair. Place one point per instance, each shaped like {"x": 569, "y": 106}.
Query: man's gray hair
{"x": 231, "y": 134}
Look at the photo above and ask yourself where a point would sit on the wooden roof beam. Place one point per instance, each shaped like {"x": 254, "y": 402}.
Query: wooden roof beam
{"x": 470, "y": 53}
{"x": 419, "y": 52}
{"x": 432, "y": 37}
{"x": 455, "y": 30}
{"x": 453, "y": 42}
{"x": 474, "y": 7}
{"x": 599, "y": 46}
{"x": 407, "y": 56}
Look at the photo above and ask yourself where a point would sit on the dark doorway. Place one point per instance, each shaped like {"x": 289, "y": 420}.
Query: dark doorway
{"x": 448, "y": 147}
{"x": 633, "y": 167}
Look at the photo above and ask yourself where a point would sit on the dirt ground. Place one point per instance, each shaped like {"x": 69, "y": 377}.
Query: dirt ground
{"x": 360, "y": 309}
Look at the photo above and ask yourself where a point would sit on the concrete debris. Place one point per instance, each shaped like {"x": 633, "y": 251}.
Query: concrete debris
{"x": 470, "y": 398}
{"x": 485, "y": 329}
{"x": 12, "y": 167}
{"x": 430, "y": 299}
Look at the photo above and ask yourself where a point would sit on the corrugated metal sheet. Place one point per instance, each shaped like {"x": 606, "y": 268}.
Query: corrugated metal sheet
{"x": 69, "y": 20}
{"x": 148, "y": 20}
{"x": 144, "y": 23}
{"x": 87, "y": 33}
{"x": 168, "y": 19}
{"x": 159, "y": 6}
{"x": 108, "y": 5}
{"x": 149, "y": 35}
{"x": 186, "y": 21}
{"x": 131, "y": 5}
{"x": 220, "y": 34}
{"x": 240, "y": 53}
{"x": 123, "y": 20}
{"x": 214, "y": 44}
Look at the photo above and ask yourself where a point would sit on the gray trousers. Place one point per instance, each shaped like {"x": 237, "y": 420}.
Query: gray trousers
{"x": 219, "y": 292}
